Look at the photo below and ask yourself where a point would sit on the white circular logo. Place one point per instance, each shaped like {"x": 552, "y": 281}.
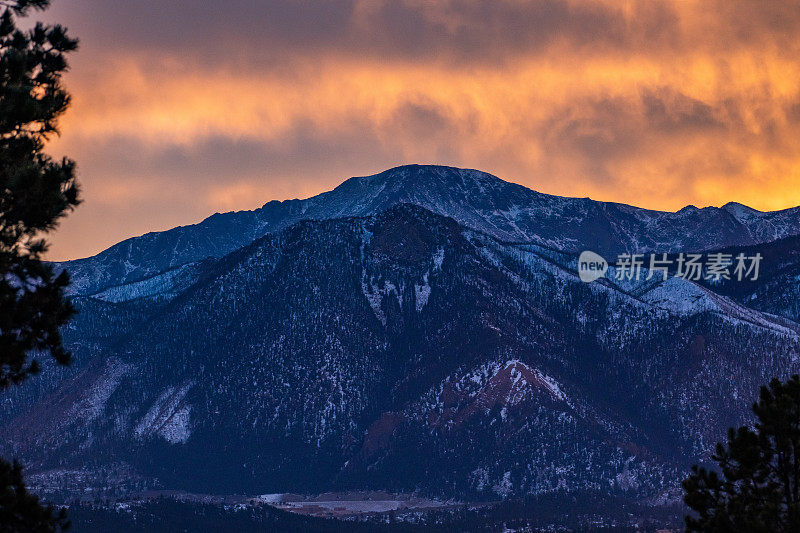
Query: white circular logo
{"x": 591, "y": 266}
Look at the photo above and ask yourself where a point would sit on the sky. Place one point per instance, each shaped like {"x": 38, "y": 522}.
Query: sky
{"x": 183, "y": 109}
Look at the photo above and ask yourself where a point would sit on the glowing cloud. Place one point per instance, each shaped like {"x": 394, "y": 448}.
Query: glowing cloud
{"x": 184, "y": 108}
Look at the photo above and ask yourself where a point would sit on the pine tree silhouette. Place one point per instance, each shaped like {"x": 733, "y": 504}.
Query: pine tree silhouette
{"x": 757, "y": 487}
{"x": 35, "y": 193}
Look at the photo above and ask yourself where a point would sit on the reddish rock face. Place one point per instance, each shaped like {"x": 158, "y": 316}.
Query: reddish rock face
{"x": 379, "y": 434}
{"x": 512, "y": 384}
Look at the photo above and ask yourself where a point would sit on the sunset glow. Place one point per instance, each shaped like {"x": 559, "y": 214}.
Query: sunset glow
{"x": 195, "y": 107}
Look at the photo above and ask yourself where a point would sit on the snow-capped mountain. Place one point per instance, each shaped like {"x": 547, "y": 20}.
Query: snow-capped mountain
{"x": 403, "y": 351}
{"x": 477, "y": 200}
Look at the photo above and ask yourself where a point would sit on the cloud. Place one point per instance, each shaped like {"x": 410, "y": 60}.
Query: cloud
{"x": 226, "y": 105}
{"x": 671, "y": 111}
{"x": 451, "y": 31}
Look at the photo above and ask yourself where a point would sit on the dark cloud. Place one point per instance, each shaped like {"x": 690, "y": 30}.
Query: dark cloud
{"x": 207, "y": 25}
{"x": 793, "y": 111}
{"x": 655, "y": 102}
{"x": 460, "y": 32}
{"x": 673, "y": 112}
{"x": 482, "y": 31}
{"x": 215, "y": 159}
{"x": 421, "y": 120}
{"x": 464, "y": 32}
{"x": 594, "y": 131}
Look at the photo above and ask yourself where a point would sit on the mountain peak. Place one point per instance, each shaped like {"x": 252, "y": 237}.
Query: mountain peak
{"x": 737, "y": 207}
{"x": 477, "y": 200}
{"x": 417, "y": 175}
{"x": 741, "y": 212}
{"x": 422, "y": 169}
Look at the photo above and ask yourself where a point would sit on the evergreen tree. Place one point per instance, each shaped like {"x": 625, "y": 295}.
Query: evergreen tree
{"x": 757, "y": 487}
{"x": 22, "y": 511}
{"x": 35, "y": 192}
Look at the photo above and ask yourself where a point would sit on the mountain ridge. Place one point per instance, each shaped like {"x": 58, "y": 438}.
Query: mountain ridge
{"x": 509, "y": 212}
{"x": 398, "y": 351}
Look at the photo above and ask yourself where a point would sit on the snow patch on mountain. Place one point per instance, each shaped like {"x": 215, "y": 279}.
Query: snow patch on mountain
{"x": 503, "y": 487}
{"x": 743, "y": 213}
{"x": 176, "y": 429}
{"x": 374, "y": 296}
{"x": 681, "y": 296}
{"x": 165, "y": 285}
{"x": 438, "y": 259}
{"x": 687, "y": 298}
{"x": 523, "y": 377}
{"x": 93, "y": 402}
{"x": 375, "y": 293}
{"x": 502, "y": 384}
{"x": 422, "y": 293}
{"x": 168, "y": 417}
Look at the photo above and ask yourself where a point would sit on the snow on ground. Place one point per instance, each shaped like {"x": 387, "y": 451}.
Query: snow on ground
{"x": 269, "y": 498}
{"x": 94, "y": 399}
{"x": 350, "y": 505}
{"x": 176, "y": 429}
{"x": 509, "y": 383}
{"x": 422, "y": 292}
{"x": 168, "y": 417}
{"x": 374, "y": 296}
{"x": 687, "y": 298}
{"x": 681, "y": 296}
{"x": 161, "y": 284}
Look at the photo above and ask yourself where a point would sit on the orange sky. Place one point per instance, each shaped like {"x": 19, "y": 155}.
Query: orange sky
{"x": 185, "y": 108}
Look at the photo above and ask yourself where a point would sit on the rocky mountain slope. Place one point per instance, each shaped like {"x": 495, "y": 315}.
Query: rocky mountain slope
{"x": 477, "y": 200}
{"x": 402, "y": 351}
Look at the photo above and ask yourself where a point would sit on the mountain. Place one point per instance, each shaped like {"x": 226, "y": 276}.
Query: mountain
{"x": 402, "y": 351}
{"x": 777, "y": 289}
{"x": 477, "y": 200}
